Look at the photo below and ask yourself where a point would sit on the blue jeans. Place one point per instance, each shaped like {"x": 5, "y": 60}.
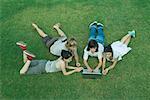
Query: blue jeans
{"x": 99, "y": 37}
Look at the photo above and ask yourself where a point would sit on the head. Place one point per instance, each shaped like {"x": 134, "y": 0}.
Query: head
{"x": 66, "y": 55}
{"x": 108, "y": 51}
{"x": 92, "y": 46}
{"x": 71, "y": 44}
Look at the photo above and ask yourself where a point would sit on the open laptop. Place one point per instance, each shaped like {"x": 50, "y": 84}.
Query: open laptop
{"x": 91, "y": 75}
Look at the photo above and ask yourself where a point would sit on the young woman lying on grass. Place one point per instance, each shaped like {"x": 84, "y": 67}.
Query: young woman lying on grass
{"x": 115, "y": 51}
{"x": 95, "y": 46}
{"x": 46, "y": 66}
{"x": 57, "y": 44}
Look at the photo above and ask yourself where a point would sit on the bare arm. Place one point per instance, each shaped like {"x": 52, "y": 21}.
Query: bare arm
{"x": 63, "y": 68}
{"x": 104, "y": 62}
{"x": 70, "y": 67}
{"x": 86, "y": 64}
{"x": 110, "y": 67}
{"x": 113, "y": 65}
{"x": 99, "y": 64}
{"x": 76, "y": 57}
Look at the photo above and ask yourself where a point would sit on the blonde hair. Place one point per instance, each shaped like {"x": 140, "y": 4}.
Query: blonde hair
{"x": 71, "y": 43}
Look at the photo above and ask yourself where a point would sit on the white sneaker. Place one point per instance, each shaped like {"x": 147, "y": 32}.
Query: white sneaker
{"x": 95, "y": 22}
{"x": 21, "y": 43}
{"x": 132, "y": 33}
{"x": 100, "y": 24}
{"x": 29, "y": 53}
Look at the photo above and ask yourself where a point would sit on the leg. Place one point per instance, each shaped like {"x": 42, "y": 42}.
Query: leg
{"x": 37, "y": 67}
{"x": 41, "y": 33}
{"x": 23, "y": 46}
{"x": 24, "y": 57}
{"x": 29, "y": 56}
{"x": 92, "y": 32}
{"x": 100, "y": 37}
{"x": 25, "y": 67}
{"x": 48, "y": 41}
{"x": 92, "y": 27}
{"x": 57, "y": 28}
{"x": 127, "y": 40}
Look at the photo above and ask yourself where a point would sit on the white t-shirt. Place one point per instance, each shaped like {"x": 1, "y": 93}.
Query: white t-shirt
{"x": 52, "y": 66}
{"x": 95, "y": 54}
{"x": 58, "y": 46}
{"x": 119, "y": 49}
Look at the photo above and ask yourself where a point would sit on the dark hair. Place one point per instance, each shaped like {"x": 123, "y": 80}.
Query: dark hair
{"x": 108, "y": 48}
{"x": 92, "y": 44}
{"x": 65, "y": 54}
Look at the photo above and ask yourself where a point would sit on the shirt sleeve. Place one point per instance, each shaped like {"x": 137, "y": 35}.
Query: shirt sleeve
{"x": 100, "y": 51}
{"x": 85, "y": 55}
{"x": 119, "y": 58}
{"x": 100, "y": 55}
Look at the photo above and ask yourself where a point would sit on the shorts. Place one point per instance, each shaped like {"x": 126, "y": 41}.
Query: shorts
{"x": 37, "y": 67}
{"x": 49, "y": 41}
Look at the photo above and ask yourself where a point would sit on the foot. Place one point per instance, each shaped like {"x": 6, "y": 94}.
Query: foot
{"x": 132, "y": 33}
{"x": 57, "y": 26}
{"x": 34, "y": 25}
{"x": 100, "y": 25}
{"x": 22, "y": 45}
{"x": 30, "y": 56}
{"x": 93, "y": 24}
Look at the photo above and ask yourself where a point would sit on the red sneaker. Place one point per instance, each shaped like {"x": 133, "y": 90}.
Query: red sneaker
{"x": 30, "y": 56}
{"x": 22, "y": 45}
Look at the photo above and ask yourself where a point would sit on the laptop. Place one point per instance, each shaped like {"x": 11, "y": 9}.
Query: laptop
{"x": 91, "y": 75}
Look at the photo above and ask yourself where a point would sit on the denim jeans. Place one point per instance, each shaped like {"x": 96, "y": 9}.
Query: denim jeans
{"x": 99, "y": 37}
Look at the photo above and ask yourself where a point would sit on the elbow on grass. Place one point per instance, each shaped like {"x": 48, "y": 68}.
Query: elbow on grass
{"x": 65, "y": 74}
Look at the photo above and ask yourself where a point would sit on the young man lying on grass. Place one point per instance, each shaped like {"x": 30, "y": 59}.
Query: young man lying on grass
{"x": 115, "y": 51}
{"x": 57, "y": 44}
{"x": 46, "y": 66}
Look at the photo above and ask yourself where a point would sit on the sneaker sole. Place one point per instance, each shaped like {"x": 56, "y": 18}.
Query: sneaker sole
{"x": 95, "y": 22}
{"x": 21, "y": 43}
{"x": 57, "y": 24}
{"x": 100, "y": 24}
{"x": 131, "y": 31}
{"x": 29, "y": 53}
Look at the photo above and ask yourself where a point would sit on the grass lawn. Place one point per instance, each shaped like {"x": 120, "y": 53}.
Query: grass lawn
{"x": 130, "y": 80}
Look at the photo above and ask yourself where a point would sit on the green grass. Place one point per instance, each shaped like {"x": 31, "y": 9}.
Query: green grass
{"x": 128, "y": 81}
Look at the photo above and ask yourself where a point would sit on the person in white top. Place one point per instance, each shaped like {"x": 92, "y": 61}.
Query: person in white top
{"x": 95, "y": 46}
{"x": 46, "y": 66}
{"x": 57, "y": 44}
{"x": 115, "y": 51}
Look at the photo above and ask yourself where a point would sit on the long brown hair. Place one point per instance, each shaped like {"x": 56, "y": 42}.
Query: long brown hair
{"x": 71, "y": 43}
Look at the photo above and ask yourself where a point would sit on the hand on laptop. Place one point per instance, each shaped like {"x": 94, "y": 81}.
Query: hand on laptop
{"x": 90, "y": 69}
{"x": 78, "y": 69}
{"x": 96, "y": 70}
